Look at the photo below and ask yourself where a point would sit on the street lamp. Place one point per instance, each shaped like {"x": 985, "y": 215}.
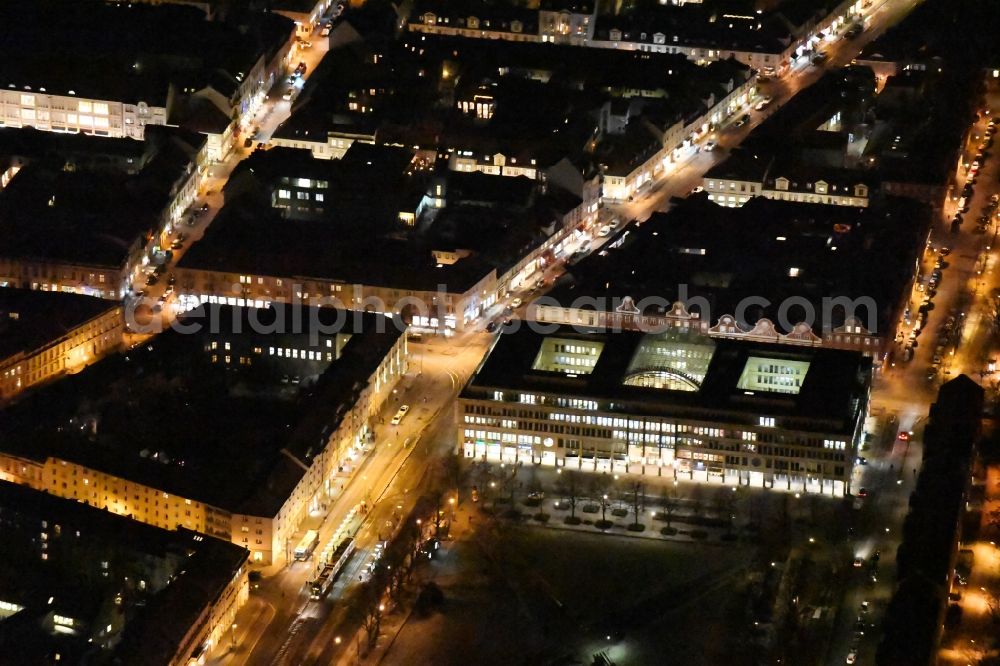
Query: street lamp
{"x": 234, "y": 635}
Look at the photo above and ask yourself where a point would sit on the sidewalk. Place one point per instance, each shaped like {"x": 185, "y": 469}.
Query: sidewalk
{"x": 685, "y": 524}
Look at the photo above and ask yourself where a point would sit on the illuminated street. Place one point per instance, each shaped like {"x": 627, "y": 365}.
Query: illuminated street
{"x": 278, "y": 385}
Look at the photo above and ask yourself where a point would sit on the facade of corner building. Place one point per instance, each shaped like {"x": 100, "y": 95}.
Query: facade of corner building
{"x": 331, "y": 387}
{"x": 668, "y": 406}
{"x": 44, "y": 336}
{"x": 641, "y": 152}
{"x": 811, "y": 150}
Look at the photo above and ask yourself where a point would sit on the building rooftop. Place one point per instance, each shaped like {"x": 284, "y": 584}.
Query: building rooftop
{"x": 957, "y": 33}
{"x": 32, "y": 319}
{"x": 79, "y": 151}
{"x": 496, "y": 16}
{"x": 339, "y": 250}
{"x": 678, "y": 373}
{"x": 141, "y": 415}
{"x": 304, "y": 6}
{"x": 699, "y": 25}
{"x": 84, "y": 549}
{"x": 94, "y": 213}
{"x": 775, "y": 249}
{"x": 497, "y": 219}
{"x": 843, "y": 91}
{"x": 544, "y": 97}
{"x": 741, "y": 164}
{"x": 129, "y": 52}
{"x": 80, "y": 217}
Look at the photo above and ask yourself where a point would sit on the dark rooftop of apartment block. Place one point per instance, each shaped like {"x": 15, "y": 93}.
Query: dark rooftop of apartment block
{"x": 77, "y": 537}
{"x": 777, "y": 249}
{"x": 94, "y": 212}
{"x": 140, "y": 415}
{"x": 129, "y": 52}
{"x": 31, "y": 319}
{"x": 492, "y": 220}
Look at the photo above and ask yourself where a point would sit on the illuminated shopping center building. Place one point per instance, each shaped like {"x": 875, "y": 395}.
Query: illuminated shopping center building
{"x": 674, "y": 404}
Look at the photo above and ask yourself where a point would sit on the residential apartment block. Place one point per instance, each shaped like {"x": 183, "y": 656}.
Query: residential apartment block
{"x": 81, "y": 584}
{"x": 767, "y": 39}
{"x": 46, "y": 335}
{"x": 184, "y": 70}
{"x": 845, "y": 141}
{"x": 771, "y": 271}
{"x": 377, "y": 231}
{"x": 747, "y": 173}
{"x": 87, "y": 215}
{"x": 291, "y": 411}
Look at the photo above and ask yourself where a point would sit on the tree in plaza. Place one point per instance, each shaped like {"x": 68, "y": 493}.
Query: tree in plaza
{"x": 638, "y": 491}
{"x": 992, "y": 605}
{"x": 396, "y": 566}
{"x": 534, "y": 485}
{"x": 729, "y": 503}
{"x": 508, "y": 481}
{"x": 993, "y": 316}
{"x": 369, "y": 605}
{"x": 696, "y": 501}
{"x": 757, "y": 506}
{"x": 599, "y": 485}
{"x": 412, "y": 536}
{"x": 670, "y": 502}
{"x": 569, "y": 487}
{"x": 622, "y": 492}
{"x": 482, "y": 475}
{"x": 449, "y": 471}
{"x": 993, "y": 522}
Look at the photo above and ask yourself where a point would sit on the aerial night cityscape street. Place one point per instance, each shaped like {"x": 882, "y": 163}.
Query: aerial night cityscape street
{"x": 499, "y": 332}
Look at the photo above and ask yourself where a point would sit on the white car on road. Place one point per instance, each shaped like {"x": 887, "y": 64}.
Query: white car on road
{"x": 400, "y": 414}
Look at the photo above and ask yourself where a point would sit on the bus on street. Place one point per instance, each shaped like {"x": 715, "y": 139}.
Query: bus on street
{"x": 307, "y": 545}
